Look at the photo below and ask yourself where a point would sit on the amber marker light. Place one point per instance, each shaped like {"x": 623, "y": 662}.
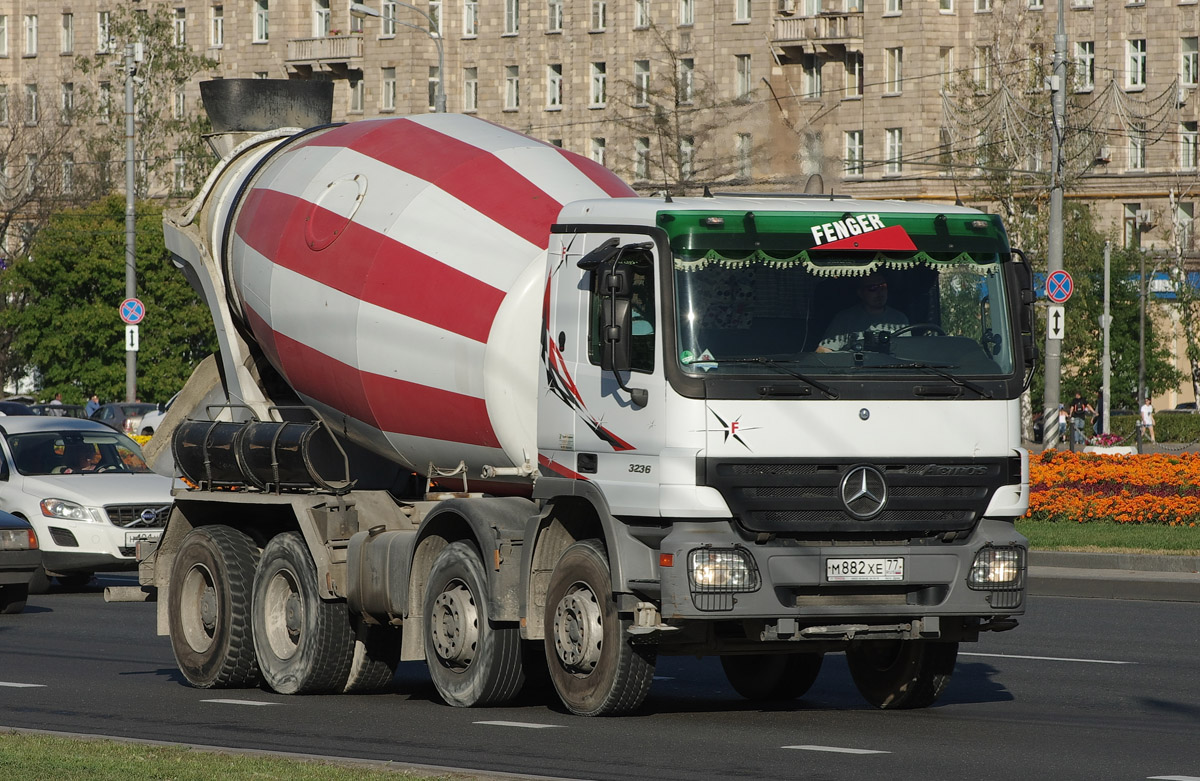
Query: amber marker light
{"x": 666, "y": 559}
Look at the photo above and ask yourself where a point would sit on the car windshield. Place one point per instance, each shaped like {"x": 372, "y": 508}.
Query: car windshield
{"x": 748, "y": 302}
{"x": 75, "y": 452}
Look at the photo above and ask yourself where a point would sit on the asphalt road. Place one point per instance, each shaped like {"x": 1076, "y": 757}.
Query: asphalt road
{"x": 1083, "y": 689}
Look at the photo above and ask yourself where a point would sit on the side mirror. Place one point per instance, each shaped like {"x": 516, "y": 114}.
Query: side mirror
{"x": 616, "y": 318}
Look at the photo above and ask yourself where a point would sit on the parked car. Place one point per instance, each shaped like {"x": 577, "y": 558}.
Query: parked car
{"x": 19, "y": 559}
{"x": 87, "y": 491}
{"x": 123, "y": 416}
{"x": 60, "y": 410}
{"x": 15, "y": 408}
{"x": 1187, "y": 406}
{"x": 151, "y": 420}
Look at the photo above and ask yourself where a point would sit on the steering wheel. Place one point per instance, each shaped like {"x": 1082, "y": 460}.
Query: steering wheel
{"x": 922, "y": 327}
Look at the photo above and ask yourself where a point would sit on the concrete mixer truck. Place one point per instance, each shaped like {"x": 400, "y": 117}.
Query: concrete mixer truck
{"x": 481, "y": 405}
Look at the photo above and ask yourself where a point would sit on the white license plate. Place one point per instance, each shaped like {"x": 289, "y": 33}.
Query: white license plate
{"x": 864, "y": 569}
{"x": 133, "y": 538}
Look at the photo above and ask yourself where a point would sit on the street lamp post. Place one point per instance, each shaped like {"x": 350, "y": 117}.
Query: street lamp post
{"x": 439, "y": 102}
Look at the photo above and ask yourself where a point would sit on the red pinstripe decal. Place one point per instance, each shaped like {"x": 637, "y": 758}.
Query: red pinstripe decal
{"x": 387, "y": 403}
{"x": 472, "y": 175}
{"x": 558, "y": 468}
{"x": 369, "y": 266}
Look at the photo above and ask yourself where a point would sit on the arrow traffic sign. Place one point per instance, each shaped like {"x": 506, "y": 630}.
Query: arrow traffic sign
{"x": 1056, "y": 322}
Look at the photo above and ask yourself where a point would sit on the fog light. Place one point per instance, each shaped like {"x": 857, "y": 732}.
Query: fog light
{"x": 998, "y": 569}
{"x": 716, "y": 574}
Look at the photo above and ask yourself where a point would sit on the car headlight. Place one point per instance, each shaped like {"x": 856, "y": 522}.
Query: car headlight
{"x": 69, "y": 511}
{"x": 731, "y": 569}
{"x": 998, "y": 569}
{"x": 18, "y": 539}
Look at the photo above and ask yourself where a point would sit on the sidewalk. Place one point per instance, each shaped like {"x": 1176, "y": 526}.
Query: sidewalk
{"x": 1114, "y": 576}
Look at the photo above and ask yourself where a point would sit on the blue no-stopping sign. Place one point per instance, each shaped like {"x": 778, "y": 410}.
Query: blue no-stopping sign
{"x": 133, "y": 311}
{"x": 1059, "y": 287}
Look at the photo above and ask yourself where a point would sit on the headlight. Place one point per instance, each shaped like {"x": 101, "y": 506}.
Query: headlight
{"x": 712, "y": 569}
{"x": 17, "y": 539}
{"x": 69, "y": 511}
{"x": 998, "y": 569}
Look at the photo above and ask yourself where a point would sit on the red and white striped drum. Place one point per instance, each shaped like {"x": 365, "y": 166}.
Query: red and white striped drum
{"x": 392, "y": 271}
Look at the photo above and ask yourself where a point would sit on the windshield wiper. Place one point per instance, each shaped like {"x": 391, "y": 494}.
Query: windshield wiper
{"x": 939, "y": 370}
{"x": 777, "y": 366}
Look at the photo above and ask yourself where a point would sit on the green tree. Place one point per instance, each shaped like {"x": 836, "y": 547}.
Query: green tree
{"x": 64, "y": 299}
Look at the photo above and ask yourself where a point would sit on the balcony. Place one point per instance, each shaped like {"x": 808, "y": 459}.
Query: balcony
{"x": 833, "y": 30}
{"x": 333, "y": 51}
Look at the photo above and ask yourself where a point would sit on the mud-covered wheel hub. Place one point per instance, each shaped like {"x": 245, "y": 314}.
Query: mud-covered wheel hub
{"x": 579, "y": 630}
{"x": 454, "y": 625}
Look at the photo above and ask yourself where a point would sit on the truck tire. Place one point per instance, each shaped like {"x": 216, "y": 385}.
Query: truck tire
{"x": 303, "y": 643}
{"x": 472, "y": 661}
{"x": 209, "y": 608}
{"x": 13, "y": 598}
{"x": 901, "y": 674}
{"x": 772, "y": 677}
{"x": 595, "y": 669}
{"x": 376, "y": 654}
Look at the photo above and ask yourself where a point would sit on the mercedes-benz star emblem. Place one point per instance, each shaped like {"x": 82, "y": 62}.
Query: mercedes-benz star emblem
{"x": 864, "y": 492}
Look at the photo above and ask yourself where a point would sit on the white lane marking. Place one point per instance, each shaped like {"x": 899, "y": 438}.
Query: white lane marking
{"x": 11, "y": 685}
{"x": 838, "y": 749}
{"x": 522, "y": 724}
{"x": 663, "y": 678}
{"x": 1173, "y": 778}
{"x": 241, "y": 702}
{"x": 1050, "y": 658}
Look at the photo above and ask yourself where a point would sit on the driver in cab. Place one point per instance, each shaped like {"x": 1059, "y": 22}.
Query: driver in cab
{"x": 849, "y": 327}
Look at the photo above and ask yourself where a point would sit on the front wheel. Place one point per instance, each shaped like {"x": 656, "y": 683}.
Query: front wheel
{"x": 901, "y": 674}
{"x": 595, "y": 669}
{"x": 772, "y": 677}
{"x": 303, "y": 643}
{"x": 13, "y": 598}
{"x": 209, "y": 608}
{"x": 472, "y": 660}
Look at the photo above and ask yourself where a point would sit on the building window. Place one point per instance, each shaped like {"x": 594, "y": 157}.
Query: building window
{"x": 470, "y": 89}
{"x": 810, "y": 71}
{"x": 687, "y": 12}
{"x": 1189, "y": 62}
{"x": 1085, "y": 66}
{"x": 554, "y": 19}
{"x": 599, "y": 14}
{"x": 687, "y": 79}
{"x": 179, "y": 36}
{"x": 68, "y": 174}
{"x": 945, "y": 148}
{"x": 1137, "y": 147}
{"x": 1036, "y": 5}
{"x": 745, "y": 77}
{"x": 512, "y": 87}
{"x": 983, "y": 68}
{"x": 894, "y": 7}
{"x": 31, "y": 104}
{"x": 31, "y": 34}
{"x": 598, "y": 150}
{"x": 68, "y": 33}
{"x": 641, "y": 14}
{"x": 217, "y": 25}
{"x": 1135, "y": 63}
{"x": 387, "y": 97}
{"x": 1189, "y": 145}
{"x": 1132, "y": 237}
{"x": 894, "y": 153}
{"x": 854, "y": 74}
{"x": 599, "y": 96}
{"x": 3, "y": 104}
{"x": 893, "y": 75}
{"x": 687, "y": 157}
{"x": 1184, "y": 218}
{"x": 743, "y": 149}
{"x": 641, "y": 158}
{"x": 741, "y": 11}
{"x": 852, "y": 154}
{"x": 554, "y": 86}
{"x": 356, "y": 96}
{"x": 320, "y": 18}
{"x": 3, "y": 35}
{"x": 262, "y": 21}
{"x": 104, "y": 111}
{"x": 946, "y": 6}
{"x": 179, "y": 171}
{"x": 179, "y": 104}
{"x": 434, "y": 81}
{"x": 641, "y": 82}
{"x": 68, "y": 102}
{"x": 435, "y": 18}
{"x": 512, "y": 17}
{"x": 104, "y": 40}
{"x": 946, "y": 67}
{"x": 33, "y": 177}
{"x": 983, "y": 6}
{"x": 387, "y": 25}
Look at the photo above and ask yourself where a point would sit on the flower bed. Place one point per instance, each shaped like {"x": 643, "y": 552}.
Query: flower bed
{"x": 1082, "y": 487}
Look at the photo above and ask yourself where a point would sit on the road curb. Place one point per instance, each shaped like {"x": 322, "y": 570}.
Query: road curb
{"x": 1115, "y": 576}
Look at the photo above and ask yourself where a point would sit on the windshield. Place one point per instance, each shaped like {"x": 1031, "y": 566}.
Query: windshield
{"x": 75, "y": 452}
{"x": 746, "y": 302}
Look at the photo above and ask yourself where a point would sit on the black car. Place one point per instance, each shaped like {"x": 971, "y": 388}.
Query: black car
{"x": 19, "y": 559}
{"x": 15, "y": 408}
{"x": 123, "y": 416}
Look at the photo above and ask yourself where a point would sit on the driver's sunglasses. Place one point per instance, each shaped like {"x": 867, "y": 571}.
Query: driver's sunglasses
{"x": 874, "y": 288}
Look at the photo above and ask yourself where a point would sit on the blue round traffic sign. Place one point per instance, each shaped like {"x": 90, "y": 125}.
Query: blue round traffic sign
{"x": 1059, "y": 286}
{"x": 132, "y": 311}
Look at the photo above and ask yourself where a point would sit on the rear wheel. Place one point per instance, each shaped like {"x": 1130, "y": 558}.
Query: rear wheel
{"x": 772, "y": 677}
{"x": 900, "y": 674}
{"x": 376, "y": 654}
{"x": 472, "y": 660}
{"x": 209, "y": 608}
{"x": 595, "y": 669}
{"x": 13, "y": 598}
{"x": 303, "y": 643}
